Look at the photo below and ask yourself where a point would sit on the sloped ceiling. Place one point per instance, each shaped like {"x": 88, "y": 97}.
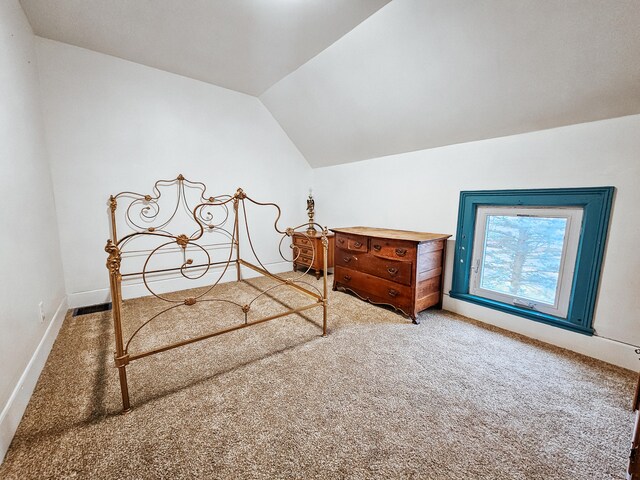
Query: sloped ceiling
{"x": 402, "y": 76}
{"x": 427, "y": 73}
{"x": 244, "y": 45}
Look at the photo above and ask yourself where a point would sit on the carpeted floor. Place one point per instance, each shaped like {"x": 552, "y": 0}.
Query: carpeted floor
{"x": 378, "y": 398}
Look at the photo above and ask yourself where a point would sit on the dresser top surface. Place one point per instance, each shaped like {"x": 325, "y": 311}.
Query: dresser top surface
{"x": 393, "y": 234}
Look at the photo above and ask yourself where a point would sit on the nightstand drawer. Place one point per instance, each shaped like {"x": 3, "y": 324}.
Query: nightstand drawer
{"x": 301, "y": 240}
{"x": 300, "y": 251}
{"x": 304, "y": 260}
{"x": 308, "y": 251}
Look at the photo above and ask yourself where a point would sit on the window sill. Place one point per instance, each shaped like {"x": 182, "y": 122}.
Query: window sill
{"x": 521, "y": 312}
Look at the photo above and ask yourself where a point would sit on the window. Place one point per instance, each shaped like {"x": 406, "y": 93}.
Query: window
{"x": 533, "y": 253}
{"x": 526, "y": 256}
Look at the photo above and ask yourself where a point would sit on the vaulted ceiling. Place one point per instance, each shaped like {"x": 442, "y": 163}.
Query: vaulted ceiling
{"x": 355, "y": 79}
{"x": 244, "y": 45}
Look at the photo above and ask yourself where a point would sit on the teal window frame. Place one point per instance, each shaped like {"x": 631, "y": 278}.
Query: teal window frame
{"x": 596, "y": 203}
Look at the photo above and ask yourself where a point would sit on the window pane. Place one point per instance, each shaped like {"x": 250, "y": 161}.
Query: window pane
{"x": 522, "y": 256}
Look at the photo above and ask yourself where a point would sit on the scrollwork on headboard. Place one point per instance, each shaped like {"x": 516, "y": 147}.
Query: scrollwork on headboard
{"x": 177, "y": 214}
{"x": 145, "y": 213}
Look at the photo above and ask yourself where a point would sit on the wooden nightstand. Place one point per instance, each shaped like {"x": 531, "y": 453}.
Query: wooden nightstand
{"x": 308, "y": 252}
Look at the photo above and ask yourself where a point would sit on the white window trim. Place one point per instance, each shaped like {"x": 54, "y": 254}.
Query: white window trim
{"x": 574, "y": 217}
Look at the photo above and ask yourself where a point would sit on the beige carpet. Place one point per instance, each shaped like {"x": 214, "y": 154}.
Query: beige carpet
{"x": 378, "y": 398}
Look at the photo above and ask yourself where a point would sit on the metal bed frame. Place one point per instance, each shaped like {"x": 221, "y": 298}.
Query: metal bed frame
{"x": 142, "y": 216}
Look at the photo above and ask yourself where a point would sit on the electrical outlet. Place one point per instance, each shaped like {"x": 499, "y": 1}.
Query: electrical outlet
{"x": 41, "y": 310}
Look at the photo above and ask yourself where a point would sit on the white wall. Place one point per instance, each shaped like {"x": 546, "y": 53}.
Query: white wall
{"x": 29, "y": 247}
{"x": 114, "y": 125}
{"x": 420, "y": 191}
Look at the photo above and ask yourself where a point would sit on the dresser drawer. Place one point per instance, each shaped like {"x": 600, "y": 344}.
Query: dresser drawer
{"x": 353, "y": 243}
{"x": 375, "y": 288}
{"x": 394, "y": 249}
{"x": 388, "y": 269}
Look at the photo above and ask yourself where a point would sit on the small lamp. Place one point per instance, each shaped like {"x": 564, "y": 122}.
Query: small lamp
{"x": 311, "y": 231}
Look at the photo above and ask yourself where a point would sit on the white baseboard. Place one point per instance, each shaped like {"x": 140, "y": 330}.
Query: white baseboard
{"x": 610, "y": 351}
{"x": 16, "y": 405}
{"x": 168, "y": 283}
{"x": 90, "y": 297}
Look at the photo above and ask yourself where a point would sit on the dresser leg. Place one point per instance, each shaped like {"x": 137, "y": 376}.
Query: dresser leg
{"x": 317, "y": 274}
{"x": 294, "y": 266}
{"x": 415, "y": 319}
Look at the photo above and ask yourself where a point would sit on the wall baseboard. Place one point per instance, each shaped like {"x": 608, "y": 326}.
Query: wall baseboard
{"x": 16, "y": 405}
{"x": 168, "y": 284}
{"x": 609, "y": 351}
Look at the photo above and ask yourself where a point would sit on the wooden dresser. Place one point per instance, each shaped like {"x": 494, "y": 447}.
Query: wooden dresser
{"x": 303, "y": 252}
{"x": 393, "y": 267}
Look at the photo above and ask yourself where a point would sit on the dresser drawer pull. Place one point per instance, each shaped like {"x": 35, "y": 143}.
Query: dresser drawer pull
{"x": 392, "y": 271}
{"x": 393, "y": 293}
{"x": 377, "y": 247}
{"x": 401, "y": 252}
{"x": 357, "y": 244}
{"x": 346, "y": 259}
{"x": 341, "y": 241}
{"x": 347, "y": 278}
